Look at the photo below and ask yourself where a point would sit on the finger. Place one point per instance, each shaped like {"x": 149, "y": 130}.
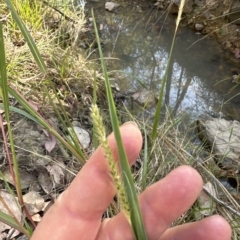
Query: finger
{"x": 77, "y": 212}
{"x": 211, "y": 228}
{"x": 168, "y": 199}
{"x": 160, "y": 204}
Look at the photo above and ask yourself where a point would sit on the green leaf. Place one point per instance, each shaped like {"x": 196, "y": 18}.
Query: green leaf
{"x": 95, "y": 139}
{"x": 27, "y": 36}
{"x": 135, "y": 213}
{"x": 22, "y": 112}
{"x": 160, "y": 99}
{"x": 7, "y": 219}
{"x": 145, "y": 161}
{"x": 4, "y": 86}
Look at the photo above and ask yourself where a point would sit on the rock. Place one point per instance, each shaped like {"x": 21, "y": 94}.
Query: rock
{"x": 83, "y": 136}
{"x": 224, "y": 139}
{"x": 36, "y": 218}
{"x": 145, "y": 98}
{"x": 206, "y": 204}
{"x": 111, "y": 6}
{"x": 186, "y": 9}
{"x": 199, "y": 26}
{"x": 34, "y": 202}
{"x": 115, "y": 87}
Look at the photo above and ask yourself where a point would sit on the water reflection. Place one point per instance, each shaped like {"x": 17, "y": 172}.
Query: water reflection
{"x": 140, "y": 39}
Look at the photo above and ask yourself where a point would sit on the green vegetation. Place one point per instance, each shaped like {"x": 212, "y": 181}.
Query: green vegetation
{"x": 128, "y": 196}
{"x": 20, "y": 72}
{"x": 49, "y": 71}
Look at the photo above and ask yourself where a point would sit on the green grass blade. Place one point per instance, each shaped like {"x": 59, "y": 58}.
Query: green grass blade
{"x": 95, "y": 139}
{"x": 159, "y": 104}
{"x": 27, "y": 36}
{"x": 4, "y": 87}
{"x": 145, "y": 161}
{"x": 22, "y": 112}
{"x": 7, "y": 219}
{"x": 135, "y": 213}
{"x": 95, "y": 86}
{"x": 11, "y": 221}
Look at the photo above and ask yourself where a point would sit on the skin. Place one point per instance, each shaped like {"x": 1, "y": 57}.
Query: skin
{"x": 78, "y": 211}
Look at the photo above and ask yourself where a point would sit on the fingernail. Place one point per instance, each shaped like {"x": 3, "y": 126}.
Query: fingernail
{"x": 131, "y": 122}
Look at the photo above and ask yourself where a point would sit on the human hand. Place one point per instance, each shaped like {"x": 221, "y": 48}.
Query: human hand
{"x": 78, "y": 211}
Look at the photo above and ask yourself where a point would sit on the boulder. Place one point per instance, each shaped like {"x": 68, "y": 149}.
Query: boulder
{"x": 224, "y": 139}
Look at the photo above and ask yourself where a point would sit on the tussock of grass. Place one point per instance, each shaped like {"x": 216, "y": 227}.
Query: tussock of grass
{"x": 64, "y": 65}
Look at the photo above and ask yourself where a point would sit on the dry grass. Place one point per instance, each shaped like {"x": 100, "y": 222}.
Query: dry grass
{"x": 173, "y": 148}
{"x": 56, "y": 36}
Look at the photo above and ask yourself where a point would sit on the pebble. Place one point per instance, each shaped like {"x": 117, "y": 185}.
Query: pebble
{"x": 199, "y": 26}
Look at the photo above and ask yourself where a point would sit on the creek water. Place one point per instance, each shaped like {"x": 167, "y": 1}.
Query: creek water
{"x": 137, "y": 40}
